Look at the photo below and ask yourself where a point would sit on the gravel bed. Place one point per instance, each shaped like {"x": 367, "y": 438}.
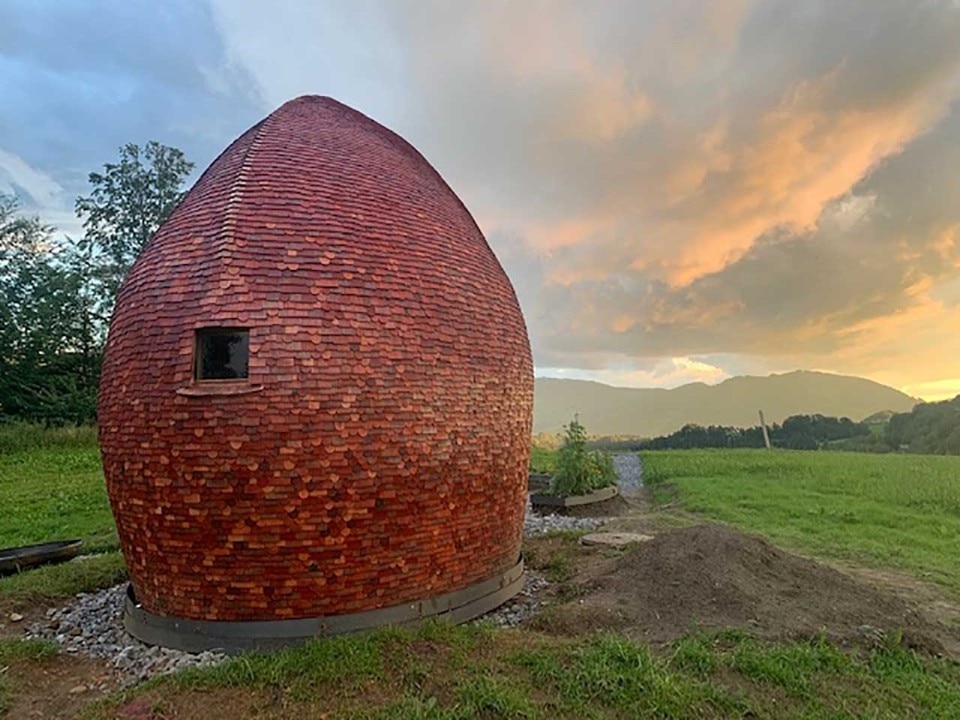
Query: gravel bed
{"x": 92, "y": 625}
{"x": 536, "y": 524}
{"x": 522, "y": 607}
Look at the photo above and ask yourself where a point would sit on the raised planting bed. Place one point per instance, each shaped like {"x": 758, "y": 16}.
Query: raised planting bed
{"x": 568, "y": 501}
{"x": 15, "y": 559}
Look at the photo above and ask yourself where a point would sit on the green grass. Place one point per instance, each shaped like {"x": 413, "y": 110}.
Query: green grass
{"x": 553, "y": 554}
{"x": 53, "y": 582}
{"x": 13, "y": 649}
{"x": 20, "y": 436}
{"x": 901, "y": 511}
{"x": 886, "y": 511}
{"x": 470, "y": 672}
{"x": 52, "y": 488}
{"x": 55, "y": 493}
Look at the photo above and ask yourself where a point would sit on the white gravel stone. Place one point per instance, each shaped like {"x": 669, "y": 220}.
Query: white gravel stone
{"x": 91, "y": 625}
{"x": 536, "y": 524}
{"x": 522, "y": 607}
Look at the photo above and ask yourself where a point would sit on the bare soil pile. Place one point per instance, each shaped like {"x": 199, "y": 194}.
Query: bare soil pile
{"x": 712, "y": 576}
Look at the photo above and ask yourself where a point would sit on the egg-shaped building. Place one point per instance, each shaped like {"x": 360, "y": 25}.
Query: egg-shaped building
{"x": 316, "y": 398}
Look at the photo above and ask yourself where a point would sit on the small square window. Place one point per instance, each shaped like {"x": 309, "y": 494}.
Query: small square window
{"x": 221, "y": 354}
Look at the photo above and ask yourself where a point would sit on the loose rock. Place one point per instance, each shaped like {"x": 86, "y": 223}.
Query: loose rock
{"x": 537, "y": 524}
{"x": 629, "y": 472}
{"x": 522, "y": 607}
{"x": 92, "y": 625}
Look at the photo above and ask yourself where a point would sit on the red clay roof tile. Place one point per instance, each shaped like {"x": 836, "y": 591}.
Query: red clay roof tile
{"x": 390, "y": 441}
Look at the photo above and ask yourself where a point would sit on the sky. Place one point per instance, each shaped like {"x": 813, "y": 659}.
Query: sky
{"x": 679, "y": 191}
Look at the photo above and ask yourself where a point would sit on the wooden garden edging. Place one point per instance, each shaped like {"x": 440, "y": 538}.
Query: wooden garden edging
{"x": 566, "y": 501}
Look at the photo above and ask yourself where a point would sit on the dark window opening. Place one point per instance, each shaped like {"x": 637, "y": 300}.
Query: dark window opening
{"x": 222, "y": 354}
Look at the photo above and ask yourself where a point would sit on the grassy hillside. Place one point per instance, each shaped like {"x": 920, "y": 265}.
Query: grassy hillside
{"x": 647, "y": 412}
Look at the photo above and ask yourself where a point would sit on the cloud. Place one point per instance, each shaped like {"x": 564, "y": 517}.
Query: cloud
{"x": 946, "y": 389}
{"x": 291, "y": 48}
{"x": 670, "y": 373}
{"x": 80, "y": 79}
{"x": 784, "y": 193}
{"x": 664, "y": 181}
{"x": 747, "y": 185}
{"x": 18, "y": 177}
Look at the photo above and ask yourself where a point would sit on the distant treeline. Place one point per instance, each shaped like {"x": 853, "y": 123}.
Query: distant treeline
{"x": 797, "y": 432}
{"x": 930, "y": 428}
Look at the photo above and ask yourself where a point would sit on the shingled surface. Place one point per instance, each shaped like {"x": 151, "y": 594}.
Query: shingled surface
{"x": 378, "y": 452}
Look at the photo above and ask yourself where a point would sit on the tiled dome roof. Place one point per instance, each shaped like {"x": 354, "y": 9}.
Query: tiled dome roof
{"x": 377, "y": 453}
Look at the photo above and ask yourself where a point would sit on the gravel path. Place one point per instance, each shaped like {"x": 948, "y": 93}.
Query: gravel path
{"x": 629, "y": 472}
{"x": 91, "y": 624}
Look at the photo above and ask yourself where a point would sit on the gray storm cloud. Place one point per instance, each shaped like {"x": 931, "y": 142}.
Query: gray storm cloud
{"x": 78, "y": 79}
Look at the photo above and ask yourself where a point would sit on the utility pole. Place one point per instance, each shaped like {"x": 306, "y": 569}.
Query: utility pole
{"x": 766, "y": 435}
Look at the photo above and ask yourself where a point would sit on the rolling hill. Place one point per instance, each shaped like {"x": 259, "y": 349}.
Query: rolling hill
{"x": 647, "y": 412}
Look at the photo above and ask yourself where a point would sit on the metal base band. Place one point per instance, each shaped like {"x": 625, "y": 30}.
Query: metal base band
{"x": 233, "y": 637}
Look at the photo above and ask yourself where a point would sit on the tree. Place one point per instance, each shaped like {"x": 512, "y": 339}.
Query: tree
{"x": 49, "y": 350}
{"x": 56, "y": 295}
{"x": 129, "y": 201}
{"x": 932, "y": 428}
{"x": 798, "y": 432}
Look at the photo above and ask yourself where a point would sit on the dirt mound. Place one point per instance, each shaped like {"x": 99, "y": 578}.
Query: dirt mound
{"x": 712, "y": 576}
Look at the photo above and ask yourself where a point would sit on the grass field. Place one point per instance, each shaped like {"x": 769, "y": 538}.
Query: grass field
{"x": 55, "y": 493}
{"x": 886, "y": 511}
{"x": 448, "y": 673}
{"x": 52, "y": 489}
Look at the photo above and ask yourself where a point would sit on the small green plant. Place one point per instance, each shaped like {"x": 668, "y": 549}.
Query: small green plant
{"x": 578, "y": 470}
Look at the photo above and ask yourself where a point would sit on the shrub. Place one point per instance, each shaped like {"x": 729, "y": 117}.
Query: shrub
{"x": 580, "y": 471}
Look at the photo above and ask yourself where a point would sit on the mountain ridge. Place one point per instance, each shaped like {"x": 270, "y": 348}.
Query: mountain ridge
{"x": 647, "y": 412}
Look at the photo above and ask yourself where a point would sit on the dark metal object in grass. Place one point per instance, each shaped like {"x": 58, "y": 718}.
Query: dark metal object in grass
{"x": 565, "y": 501}
{"x": 15, "y": 559}
{"x": 233, "y": 637}
{"x": 538, "y": 482}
